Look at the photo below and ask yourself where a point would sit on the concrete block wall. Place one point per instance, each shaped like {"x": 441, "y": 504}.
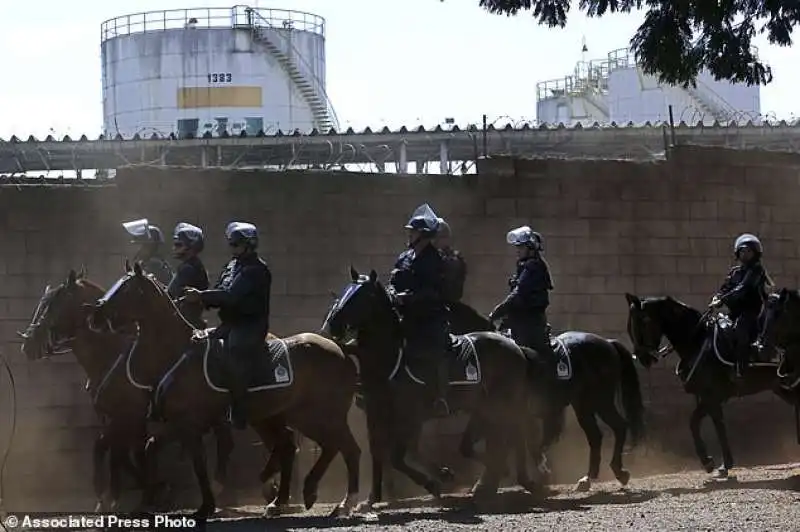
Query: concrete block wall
{"x": 610, "y": 227}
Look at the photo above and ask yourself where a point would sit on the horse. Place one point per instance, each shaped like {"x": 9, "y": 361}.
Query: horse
{"x": 303, "y": 381}
{"x": 60, "y": 325}
{"x": 705, "y": 368}
{"x": 779, "y": 333}
{"x": 488, "y": 379}
{"x": 596, "y": 368}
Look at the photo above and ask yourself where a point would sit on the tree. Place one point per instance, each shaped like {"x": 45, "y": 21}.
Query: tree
{"x": 679, "y": 38}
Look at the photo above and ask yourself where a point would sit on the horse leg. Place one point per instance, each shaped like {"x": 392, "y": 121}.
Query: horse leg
{"x": 695, "y": 422}
{"x": 118, "y": 453}
{"x": 398, "y": 458}
{"x": 281, "y": 459}
{"x": 224, "y": 437}
{"x": 552, "y": 427}
{"x": 586, "y": 419}
{"x": 497, "y": 447}
{"x": 194, "y": 443}
{"x": 99, "y": 480}
{"x": 611, "y": 416}
{"x": 718, "y": 418}
{"x": 351, "y": 453}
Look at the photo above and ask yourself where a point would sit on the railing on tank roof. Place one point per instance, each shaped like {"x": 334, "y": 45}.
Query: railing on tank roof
{"x": 261, "y": 22}
{"x": 208, "y": 17}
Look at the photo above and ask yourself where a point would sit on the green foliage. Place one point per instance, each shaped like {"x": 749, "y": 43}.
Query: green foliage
{"x": 678, "y": 39}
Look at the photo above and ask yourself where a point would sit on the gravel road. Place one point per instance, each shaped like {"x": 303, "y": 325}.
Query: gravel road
{"x": 758, "y": 499}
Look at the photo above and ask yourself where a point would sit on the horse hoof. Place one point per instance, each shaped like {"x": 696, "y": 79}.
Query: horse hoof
{"x": 708, "y": 465}
{"x": 583, "y": 485}
{"x": 98, "y": 506}
{"x": 217, "y": 487}
{"x": 446, "y": 475}
{"x": 623, "y": 477}
{"x": 273, "y": 510}
{"x": 531, "y": 487}
{"x": 309, "y": 498}
{"x": 365, "y": 507}
{"x": 434, "y": 488}
{"x": 205, "y": 511}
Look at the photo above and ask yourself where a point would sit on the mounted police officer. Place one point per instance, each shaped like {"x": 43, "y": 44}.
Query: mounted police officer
{"x": 187, "y": 244}
{"x": 525, "y": 307}
{"x": 150, "y": 240}
{"x": 417, "y": 287}
{"x": 242, "y": 295}
{"x": 744, "y": 292}
{"x": 455, "y": 269}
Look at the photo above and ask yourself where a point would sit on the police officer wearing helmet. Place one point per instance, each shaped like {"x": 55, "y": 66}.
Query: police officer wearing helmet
{"x": 417, "y": 287}
{"x": 525, "y": 307}
{"x": 187, "y": 244}
{"x": 744, "y": 292}
{"x": 455, "y": 273}
{"x": 150, "y": 240}
{"x": 242, "y": 296}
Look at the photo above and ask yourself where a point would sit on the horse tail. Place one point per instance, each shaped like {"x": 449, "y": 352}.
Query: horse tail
{"x": 631, "y": 392}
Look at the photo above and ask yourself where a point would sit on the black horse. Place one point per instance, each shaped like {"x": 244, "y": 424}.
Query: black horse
{"x": 599, "y": 367}
{"x": 489, "y": 380}
{"x": 780, "y": 332}
{"x": 704, "y": 344}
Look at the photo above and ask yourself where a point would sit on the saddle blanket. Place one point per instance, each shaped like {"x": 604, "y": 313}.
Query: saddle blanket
{"x": 270, "y": 371}
{"x": 463, "y": 363}
{"x": 564, "y": 359}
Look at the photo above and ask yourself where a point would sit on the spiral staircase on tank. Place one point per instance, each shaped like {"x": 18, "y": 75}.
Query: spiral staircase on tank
{"x": 310, "y": 89}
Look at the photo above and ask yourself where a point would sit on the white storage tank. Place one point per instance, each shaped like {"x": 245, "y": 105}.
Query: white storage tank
{"x": 615, "y": 89}
{"x": 214, "y": 70}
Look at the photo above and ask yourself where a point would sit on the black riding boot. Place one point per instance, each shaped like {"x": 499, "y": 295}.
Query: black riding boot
{"x": 442, "y": 380}
{"x": 237, "y": 384}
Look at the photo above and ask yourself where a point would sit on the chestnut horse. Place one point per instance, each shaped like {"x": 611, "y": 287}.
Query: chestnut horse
{"x": 308, "y": 383}
{"x": 60, "y": 325}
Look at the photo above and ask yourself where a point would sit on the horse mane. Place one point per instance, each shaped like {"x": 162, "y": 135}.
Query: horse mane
{"x": 677, "y": 317}
{"x": 85, "y": 282}
{"x": 164, "y": 295}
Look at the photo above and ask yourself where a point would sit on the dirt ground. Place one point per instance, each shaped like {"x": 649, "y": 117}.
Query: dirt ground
{"x": 759, "y": 499}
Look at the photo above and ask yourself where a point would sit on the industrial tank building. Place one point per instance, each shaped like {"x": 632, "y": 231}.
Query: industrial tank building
{"x": 214, "y": 71}
{"x": 616, "y": 89}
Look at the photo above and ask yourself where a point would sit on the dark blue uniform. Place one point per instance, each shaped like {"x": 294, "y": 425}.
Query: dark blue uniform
{"x": 744, "y": 292}
{"x": 424, "y": 311}
{"x": 242, "y": 295}
{"x": 455, "y": 275}
{"x": 190, "y": 274}
{"x": 525, "y": 307}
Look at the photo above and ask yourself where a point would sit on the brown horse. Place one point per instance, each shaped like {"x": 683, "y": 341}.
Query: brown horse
{"x": 488, "y": 377}
{"x": 60, "y": 325}
{"x": 305, "y": 382}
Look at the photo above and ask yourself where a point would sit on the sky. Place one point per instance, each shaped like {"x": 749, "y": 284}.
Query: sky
{"x": 389, "y": 62}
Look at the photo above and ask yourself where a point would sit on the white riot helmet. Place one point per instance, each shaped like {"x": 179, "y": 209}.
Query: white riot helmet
{"x": 749, "y": 241}
{"x": 525, "y": 236}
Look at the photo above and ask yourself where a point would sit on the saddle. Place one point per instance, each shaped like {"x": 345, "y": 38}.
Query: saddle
{"x": 463, "y": 363}
{"x": 272, "y": 370}
{"x": 724, "y": 342}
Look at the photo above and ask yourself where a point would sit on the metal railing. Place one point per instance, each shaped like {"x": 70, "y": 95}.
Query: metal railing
{"x": 262, "y": 23}
{"x": 209, "y": 17}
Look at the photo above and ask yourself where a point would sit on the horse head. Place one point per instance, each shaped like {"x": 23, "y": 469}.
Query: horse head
{"x": 59, "y": 316}
{"x": 132, "y": 299}
{"x": 652, "y": 319}
{"x": 778, "y": 321}
{"x": 355, "y": 307}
